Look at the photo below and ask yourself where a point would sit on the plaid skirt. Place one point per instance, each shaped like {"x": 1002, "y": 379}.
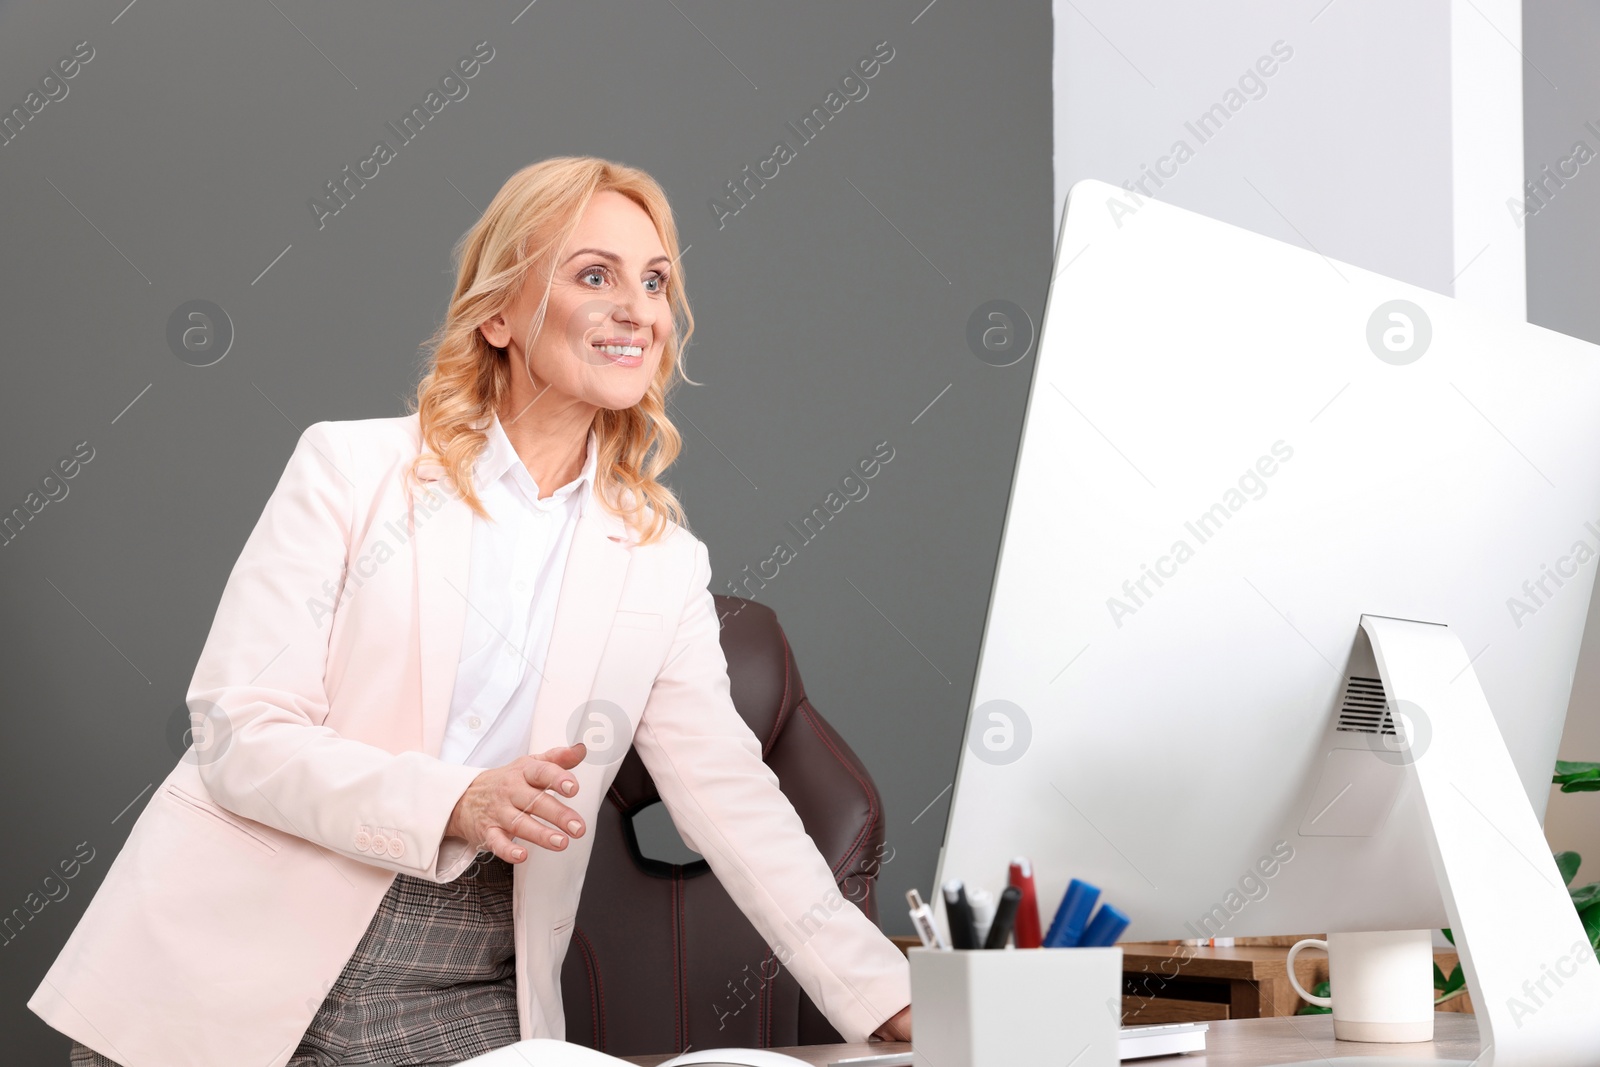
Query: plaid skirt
{"x": 432, "y": 983}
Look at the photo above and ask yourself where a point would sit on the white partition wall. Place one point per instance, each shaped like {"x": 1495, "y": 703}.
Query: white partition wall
{"x": 1384, "y": 135}
{"x": 1486, "y": 72}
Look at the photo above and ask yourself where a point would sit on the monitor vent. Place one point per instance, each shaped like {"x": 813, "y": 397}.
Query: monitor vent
{"x": 1364, "y": 710}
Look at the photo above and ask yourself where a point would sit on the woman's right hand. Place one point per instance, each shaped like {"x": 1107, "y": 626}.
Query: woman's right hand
{"x": 517, "y": 801}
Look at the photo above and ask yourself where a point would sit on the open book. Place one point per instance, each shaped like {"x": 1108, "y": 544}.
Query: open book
{"x": 548, "y": 1052}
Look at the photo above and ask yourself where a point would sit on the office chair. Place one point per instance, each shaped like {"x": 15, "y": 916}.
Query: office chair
{"x": 661, "y": 958}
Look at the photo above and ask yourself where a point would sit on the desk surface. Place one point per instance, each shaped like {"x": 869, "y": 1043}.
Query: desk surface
{"x": 1230, "y": 1043}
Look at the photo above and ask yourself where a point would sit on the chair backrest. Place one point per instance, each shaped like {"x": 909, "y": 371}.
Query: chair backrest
{"x": 661, "y": 958}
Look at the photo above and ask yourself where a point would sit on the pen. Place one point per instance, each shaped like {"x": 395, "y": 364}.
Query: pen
{"x": 1104, "y": 929}
{"x": 1026, "y": 933}
{"x": 922, "y": 919}
{"x": 981, "y": 902}
{"x": 1005, "y": 914}
{"x": 1072, "y": 916}
{"x": 959, "y": 913}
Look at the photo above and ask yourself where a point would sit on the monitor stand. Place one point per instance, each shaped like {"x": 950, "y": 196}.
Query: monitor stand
{"x": 1534, "y": 980}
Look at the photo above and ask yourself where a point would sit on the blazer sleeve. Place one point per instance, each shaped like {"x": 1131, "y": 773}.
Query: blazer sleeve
{"x": 260, "y": 683}
{"x": 726, "y": 803}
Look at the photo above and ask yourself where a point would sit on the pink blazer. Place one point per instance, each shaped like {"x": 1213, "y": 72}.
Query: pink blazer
{"x": 253, "y": 870}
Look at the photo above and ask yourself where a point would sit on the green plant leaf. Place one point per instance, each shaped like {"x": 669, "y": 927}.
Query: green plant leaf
{"x": 1438, "y": 978}
{"x": 1576, "y": 777}
{"x": 1585, "y": 895}
{"x": 1448, "y": 936}
{"x": 1568, "y": 863}
{"x": 1457, "y": 980}
{"x": 1576, "y": 768}
{"x": 1318, "y": 990}
{"x": 1590, "y": 917}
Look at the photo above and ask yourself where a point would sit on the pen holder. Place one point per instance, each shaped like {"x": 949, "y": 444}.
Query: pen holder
{"x": 1010, "y": 1007}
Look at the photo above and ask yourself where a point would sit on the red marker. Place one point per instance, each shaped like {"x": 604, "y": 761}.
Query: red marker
{"x": 1026, "y": 933}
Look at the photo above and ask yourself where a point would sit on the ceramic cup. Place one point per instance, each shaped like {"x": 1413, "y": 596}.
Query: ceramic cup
{"x": 1382, "y": 984}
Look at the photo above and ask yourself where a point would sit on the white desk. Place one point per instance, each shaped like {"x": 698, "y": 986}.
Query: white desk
{"x": 1230, "y": 1043}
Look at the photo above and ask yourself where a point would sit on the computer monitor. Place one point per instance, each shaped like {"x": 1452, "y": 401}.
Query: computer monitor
{"x": 1289, "y": 599}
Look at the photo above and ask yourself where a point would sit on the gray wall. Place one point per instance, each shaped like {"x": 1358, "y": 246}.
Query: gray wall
{"x": 832, "y": 310}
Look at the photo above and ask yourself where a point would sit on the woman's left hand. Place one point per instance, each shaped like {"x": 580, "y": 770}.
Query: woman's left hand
{"x": 897, "y": 1028}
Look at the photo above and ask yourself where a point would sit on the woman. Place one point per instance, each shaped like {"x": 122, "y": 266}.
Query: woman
{"x": 359, "y": 859}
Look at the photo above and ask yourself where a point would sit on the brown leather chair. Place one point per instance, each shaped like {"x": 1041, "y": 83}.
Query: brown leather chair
{"x": 661, "y": 958}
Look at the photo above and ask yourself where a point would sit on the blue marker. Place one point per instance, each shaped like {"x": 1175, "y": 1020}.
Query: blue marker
{"x": 1104, "y": 929}
{"x": 1073, "y": 914}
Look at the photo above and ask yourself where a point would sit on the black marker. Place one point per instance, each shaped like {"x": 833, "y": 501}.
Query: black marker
{"x": 959, "y": 913}
{"x": 1005, "y": 915}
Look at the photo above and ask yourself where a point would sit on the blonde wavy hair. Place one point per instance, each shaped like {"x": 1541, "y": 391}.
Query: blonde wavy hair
{"x": 526, "y": 225}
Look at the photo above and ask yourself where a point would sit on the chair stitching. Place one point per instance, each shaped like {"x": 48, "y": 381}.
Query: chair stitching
{"x": 677, "y": 963}
{"x": 772, "y": 1001}
{"x": 782, "y": 716}
{"x": 683, "y": 937}
{"x": 597, "y": 991}
{"x": 872, "y": 818}
{"x": 763, "y": 1006}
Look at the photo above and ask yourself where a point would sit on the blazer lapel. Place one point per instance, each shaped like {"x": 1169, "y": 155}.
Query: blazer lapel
{"x": 442, "y": 545}
{"x": 590, "y": 588}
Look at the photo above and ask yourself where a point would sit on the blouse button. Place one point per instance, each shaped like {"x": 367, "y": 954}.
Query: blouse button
{"x": 474, "y": 722}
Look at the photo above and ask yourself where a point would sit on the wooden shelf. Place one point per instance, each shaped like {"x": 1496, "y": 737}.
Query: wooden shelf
{"x": 1171, "y": 983}
{"x": 1167, "y": 982}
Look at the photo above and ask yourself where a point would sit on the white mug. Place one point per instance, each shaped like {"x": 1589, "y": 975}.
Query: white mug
{"x": 1382, "y": 984}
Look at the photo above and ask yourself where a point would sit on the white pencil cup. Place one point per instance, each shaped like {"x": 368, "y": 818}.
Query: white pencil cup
{"x": 1007, "y": 1007}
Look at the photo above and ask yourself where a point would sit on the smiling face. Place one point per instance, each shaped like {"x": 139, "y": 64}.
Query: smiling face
{"x": 608, "y": 320}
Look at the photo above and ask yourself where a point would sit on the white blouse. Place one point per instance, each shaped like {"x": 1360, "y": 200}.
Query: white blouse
{"x": 514, "y": 580}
